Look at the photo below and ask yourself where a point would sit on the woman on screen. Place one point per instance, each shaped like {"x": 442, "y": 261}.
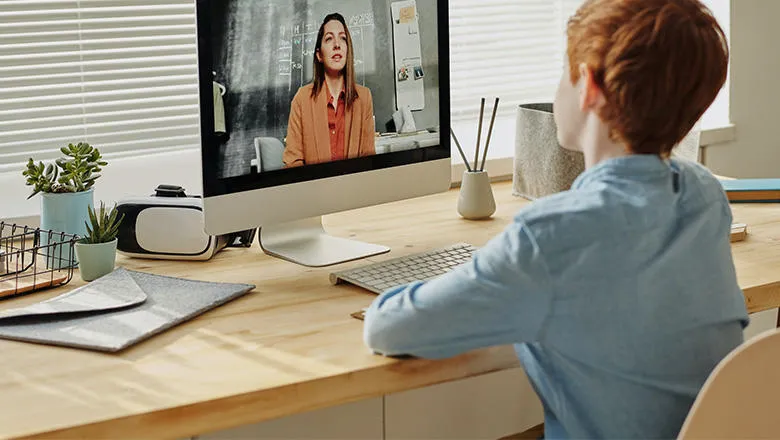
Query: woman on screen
{"x": 332, "y": 118}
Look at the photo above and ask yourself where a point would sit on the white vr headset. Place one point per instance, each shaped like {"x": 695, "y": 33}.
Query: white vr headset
{"x": 170, "y": 225}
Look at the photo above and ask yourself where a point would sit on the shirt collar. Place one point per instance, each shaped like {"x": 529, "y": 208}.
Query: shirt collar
{"x": 635, "y": 166}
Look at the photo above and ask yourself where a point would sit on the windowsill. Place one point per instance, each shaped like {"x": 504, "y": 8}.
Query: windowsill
{"x": 498, "y": 168}
{"x": 718, "y": 135}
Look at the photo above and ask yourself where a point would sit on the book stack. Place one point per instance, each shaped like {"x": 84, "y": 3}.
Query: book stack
{"x": 752, "y": 190}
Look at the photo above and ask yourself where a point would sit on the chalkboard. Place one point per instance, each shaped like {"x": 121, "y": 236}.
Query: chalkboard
{"x": 263, "y": 52}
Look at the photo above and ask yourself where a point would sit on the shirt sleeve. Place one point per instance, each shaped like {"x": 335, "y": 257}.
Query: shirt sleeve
{"x": 502, "y": 296}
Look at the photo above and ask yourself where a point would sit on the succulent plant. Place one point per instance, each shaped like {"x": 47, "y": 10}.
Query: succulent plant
{"x": 104, "y": 225}
{"x": 76, "y": 172}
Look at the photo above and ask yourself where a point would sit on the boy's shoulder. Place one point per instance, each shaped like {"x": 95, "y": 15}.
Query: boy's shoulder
{"x": 599, "y": 211}
{"x": 695, "y": 169}
{"x": 569, "y": 216}
{"x": 701, "y": 187}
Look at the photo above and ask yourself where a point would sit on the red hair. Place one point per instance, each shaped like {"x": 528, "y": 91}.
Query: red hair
{"x": 659, "y": 63}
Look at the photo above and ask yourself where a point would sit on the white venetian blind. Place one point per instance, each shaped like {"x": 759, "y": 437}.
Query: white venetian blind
{"x": 119, "y": 74}
{"x": 514, "y": 49}
{"x": 506, "y": 48}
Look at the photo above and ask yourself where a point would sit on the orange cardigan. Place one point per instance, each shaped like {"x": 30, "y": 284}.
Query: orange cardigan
{"x": 308, "y": 139}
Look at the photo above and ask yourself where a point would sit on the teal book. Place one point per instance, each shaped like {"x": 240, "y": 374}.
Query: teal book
{"x": 752, "y": 190}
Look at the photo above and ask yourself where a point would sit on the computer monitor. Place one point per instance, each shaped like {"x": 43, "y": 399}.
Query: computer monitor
{"x": 281, "y": 146}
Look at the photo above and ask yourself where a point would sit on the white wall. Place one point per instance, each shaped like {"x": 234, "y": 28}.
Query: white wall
{"x": 755, "y": 93}
{"x": 122, "y": 178}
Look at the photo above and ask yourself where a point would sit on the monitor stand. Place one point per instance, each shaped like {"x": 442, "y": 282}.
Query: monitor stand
{"x": 305, "y": 242}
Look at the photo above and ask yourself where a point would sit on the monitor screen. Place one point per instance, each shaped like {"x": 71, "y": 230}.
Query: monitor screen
{"x": 297, "y": 90}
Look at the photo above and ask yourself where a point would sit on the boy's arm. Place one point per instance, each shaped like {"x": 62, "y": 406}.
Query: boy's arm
{"x": 500, "y": 297}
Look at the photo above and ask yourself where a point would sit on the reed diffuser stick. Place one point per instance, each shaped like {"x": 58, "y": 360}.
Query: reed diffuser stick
{"x": 460, "y": 150}
{"x": 479, "y": 133}
{"x": 490, "y": 135}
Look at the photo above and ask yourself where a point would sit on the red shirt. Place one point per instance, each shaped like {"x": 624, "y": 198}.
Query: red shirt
{"x": 336, "y": 126}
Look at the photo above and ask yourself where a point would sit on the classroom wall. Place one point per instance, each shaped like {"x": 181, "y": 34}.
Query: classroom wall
{"x": 430, "y": 52}
{"x": 429, "y": 49}
{"x": 755, "y": 93}
{"x": 258, "y": 93}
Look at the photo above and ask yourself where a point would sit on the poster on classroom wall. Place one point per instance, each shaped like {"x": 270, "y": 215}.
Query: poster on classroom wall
{"x": 409, "y": 84}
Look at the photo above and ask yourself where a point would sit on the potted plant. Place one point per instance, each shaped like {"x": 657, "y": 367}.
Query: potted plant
{"x": 66, "y": 191}
{"x": 96, "y": 251}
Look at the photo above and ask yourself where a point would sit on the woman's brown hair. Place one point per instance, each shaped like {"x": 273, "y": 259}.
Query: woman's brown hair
{"x": 350, "y": 91}
{"x": 659, "y": 63}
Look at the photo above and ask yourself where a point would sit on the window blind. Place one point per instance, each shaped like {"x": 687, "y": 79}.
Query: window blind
{"x": 506, "y": 48}
{"x": 514, "y": 49}
{"x": 119, "y": 74}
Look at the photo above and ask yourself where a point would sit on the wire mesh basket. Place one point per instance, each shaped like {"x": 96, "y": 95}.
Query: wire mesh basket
{"x": 32, "y": 259}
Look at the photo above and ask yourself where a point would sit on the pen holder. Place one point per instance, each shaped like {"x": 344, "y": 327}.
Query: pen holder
{"x": 475, "y": 201}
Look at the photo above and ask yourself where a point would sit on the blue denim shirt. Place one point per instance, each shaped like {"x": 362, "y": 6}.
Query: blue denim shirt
{"x": 619, "y": 295}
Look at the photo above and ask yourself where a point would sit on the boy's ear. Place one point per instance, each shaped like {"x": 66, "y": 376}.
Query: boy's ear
{"x": 591, "y": 96}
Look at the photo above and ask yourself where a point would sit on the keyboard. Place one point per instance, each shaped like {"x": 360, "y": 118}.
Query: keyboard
{"x": 423, "y": 266}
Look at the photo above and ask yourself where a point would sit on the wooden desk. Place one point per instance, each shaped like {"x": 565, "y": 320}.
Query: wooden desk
{"x": 288, "y": 347}
{"x": 758, "y": 258}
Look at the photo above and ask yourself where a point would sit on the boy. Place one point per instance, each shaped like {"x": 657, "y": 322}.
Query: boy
{"x": 620, "y": 295}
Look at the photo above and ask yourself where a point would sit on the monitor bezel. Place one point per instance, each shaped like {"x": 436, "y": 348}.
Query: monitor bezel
{"x": 213, "y": 185}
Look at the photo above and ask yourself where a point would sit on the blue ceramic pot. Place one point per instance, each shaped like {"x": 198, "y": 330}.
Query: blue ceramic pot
{"x": 66, "y": 212}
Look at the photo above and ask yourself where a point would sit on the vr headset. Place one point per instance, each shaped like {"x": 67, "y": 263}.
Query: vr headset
{"x": 170, "y": 225}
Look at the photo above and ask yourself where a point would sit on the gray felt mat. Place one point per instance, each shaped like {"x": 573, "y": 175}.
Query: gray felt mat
{"x": 116, "y": 311}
